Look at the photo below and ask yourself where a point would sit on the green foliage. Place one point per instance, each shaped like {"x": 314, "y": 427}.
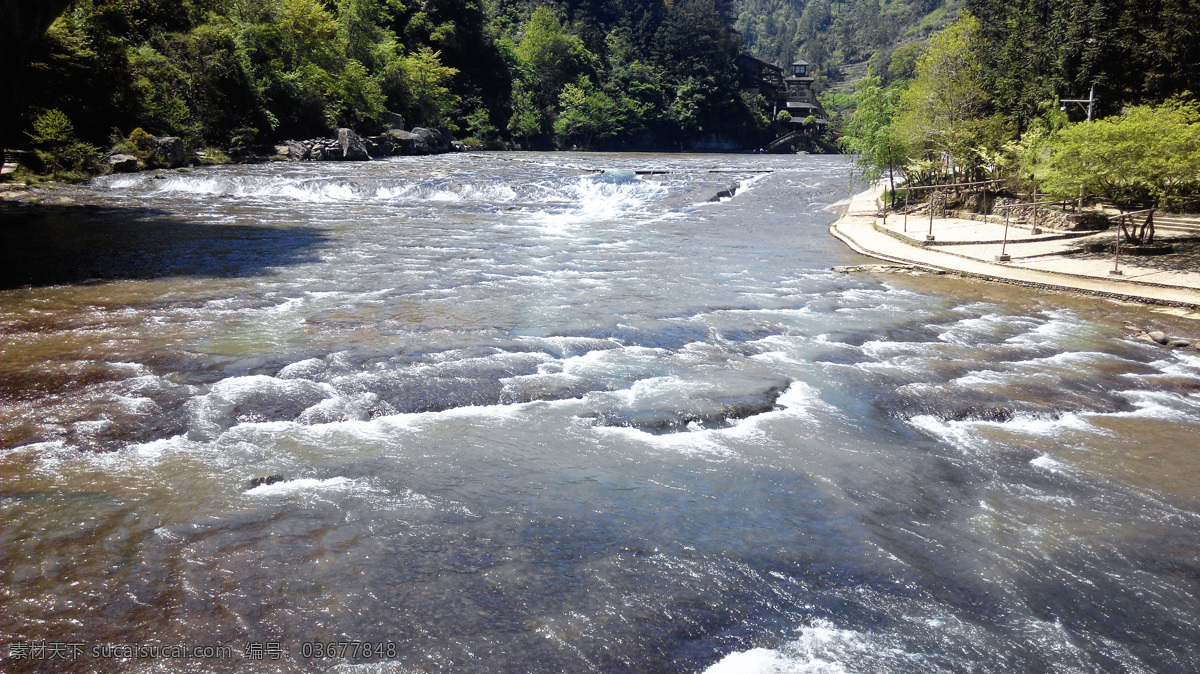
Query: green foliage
{"x": 871, "y": 131}
{"x": 481, "y": 132}
{"x": 902, "y": 62}
{"x": 237, "y": 75}
{"x": 589, "y": 116}
{"x": 56, "y": 145}
{"x": 547, "y": 59}
{"x": 946, "y": 111}
{"x": 1133, "y": 51}
{"x": 358, "y": 98}
{"x": 427, "y": 82}
{"x": 1147, "y": 154}
{"x": 831, "y": 33}
{"x": 137, "y": 144}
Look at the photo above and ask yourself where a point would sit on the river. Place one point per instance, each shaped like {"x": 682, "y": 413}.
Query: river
{"x": 507, "y": 413}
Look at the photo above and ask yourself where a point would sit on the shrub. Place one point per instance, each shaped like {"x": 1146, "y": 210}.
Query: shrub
{"x": 54, "y": 141}
{"x": 1147, "y": 154}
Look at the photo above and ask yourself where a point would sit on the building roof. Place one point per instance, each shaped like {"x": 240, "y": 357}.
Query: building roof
{"x": 761, "y": 63}
{"x": 801, "y": 62}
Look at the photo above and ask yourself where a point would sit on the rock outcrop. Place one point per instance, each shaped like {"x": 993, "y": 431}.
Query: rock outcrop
{"x": 166, "y": 152}
{"x": 349, "y": 147}
{"x": 392, "y": 121}
{"x": 1160, "y": 338}
{"x": 122, "y": 163}
{"x": 352, "y": 148}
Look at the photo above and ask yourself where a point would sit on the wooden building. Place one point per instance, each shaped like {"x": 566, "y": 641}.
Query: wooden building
{"x": 793, "y": 93}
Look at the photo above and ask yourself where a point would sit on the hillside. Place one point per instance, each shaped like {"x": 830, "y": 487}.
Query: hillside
{"x": 831, "y": 34}
{"x": 239, "y": 76}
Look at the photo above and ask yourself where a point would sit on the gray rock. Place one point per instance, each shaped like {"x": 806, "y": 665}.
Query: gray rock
{"x": 392, "y": 121}
{"x": 433, "y": 139}
{"x": 167, "y": 151}
{"x": 1179, "y": 343}
{"x": 726, "y": 193}
{"x": 263, "y": 480}
{"x": 122, "y": 163}
{"x": 408, "y": 142}
{"x": 377, "y": 146}
{"x": 1159, "y": 336}
{"x": 295, "y": 150}
{"x": 352, "y": 148}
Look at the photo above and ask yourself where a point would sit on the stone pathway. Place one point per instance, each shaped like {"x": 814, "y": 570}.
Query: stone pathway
{"x": 1053, "y": 259}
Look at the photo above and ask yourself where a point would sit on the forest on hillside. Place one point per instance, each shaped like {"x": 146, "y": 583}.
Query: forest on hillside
{"x": 831, "y": 33}
{"x": 995, "y": 96}
{"x": 234, "y": 74}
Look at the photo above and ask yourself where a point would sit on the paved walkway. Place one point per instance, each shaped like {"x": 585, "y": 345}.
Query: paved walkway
{"x": 1053, "y": 259}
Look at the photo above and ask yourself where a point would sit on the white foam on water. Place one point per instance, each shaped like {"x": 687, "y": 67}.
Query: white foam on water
{"x": 213, "y": 412}
{"x": 697, "y": 443}
{"x": 965, "y": 433}
{"x": 1060, "y": 324}
{"x": 1154, "y": 405}
{"x": 984, "y": 378}
{"x": 303, "y": 369}
{"x": 798, "y": 400}
{"x": 1032, "y": 369}
{"x": 884, "y": 350}
{"x": 57, "y": 458}
{"x": 594, "y": 199}
{"x": 306, "y": 485}
{"x": 747, "y": 184}
{"x": 1181, "y": 365}
{"x": 1160, "y": 405}
{"x": 136, "y": 405}
{"x": 569, "y": 347}
{"x": 965, "y": 330}
{"x": 820, "y": 649}
{"x": 1046, "y": 463}
{"x": 1071, "y": 359}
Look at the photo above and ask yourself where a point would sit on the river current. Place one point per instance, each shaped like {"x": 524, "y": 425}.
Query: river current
{"x": 570, "y": 413}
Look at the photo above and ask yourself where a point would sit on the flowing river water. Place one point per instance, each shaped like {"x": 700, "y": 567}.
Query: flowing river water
{"x": 506, "y": 413}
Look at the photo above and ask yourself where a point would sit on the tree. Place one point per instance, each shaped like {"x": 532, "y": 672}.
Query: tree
{"x": 945, "y": 112}
{"x": 1146, "y": 155}
{"x": 547, "y": 60}
{"x": 427, "y": 81}
{"x": 54, "y": 141}
{"x": 871, "y": 131}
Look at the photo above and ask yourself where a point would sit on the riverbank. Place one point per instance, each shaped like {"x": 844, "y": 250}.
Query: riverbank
{"x": 1048, "y": 260}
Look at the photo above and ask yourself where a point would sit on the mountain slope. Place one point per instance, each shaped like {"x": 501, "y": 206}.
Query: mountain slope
{"x": 832, "y": 33}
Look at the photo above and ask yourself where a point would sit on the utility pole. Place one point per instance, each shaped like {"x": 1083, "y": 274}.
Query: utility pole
{"x": 1090, "y": 100}
{"x": 1091, "y": 104}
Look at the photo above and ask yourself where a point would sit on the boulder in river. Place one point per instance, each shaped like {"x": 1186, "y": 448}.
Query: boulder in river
{"x": 167, "y": 152}
{"x": 352, "y": 148}
{"x": 392, "y": 121}
{"x": 294, "y": 150}
{"x": 433, "y": 138}
{"x": 122, "y": 163}
{"x": 263, "y": 480}
{"x": 408, "y": 142}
